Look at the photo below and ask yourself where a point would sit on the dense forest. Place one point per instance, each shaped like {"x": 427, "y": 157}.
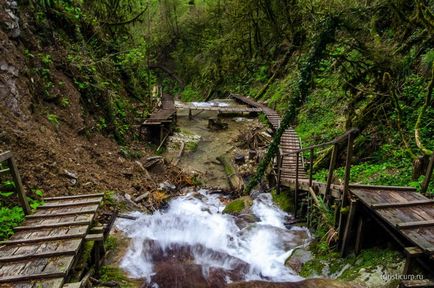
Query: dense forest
{"x": 331, "y": 65}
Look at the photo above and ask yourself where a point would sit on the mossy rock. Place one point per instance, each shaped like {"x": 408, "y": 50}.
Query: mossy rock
{"x": 238, "y": 205}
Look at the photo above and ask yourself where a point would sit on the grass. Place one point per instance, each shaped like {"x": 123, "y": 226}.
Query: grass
{"x": 110, "y": 273}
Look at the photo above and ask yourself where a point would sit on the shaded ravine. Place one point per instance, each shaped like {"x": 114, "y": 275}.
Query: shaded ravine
{"x": 193, "y": 238}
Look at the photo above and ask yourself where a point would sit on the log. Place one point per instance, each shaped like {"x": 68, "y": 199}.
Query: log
{"x": 235, "y": 181}
{"x": 178, "y": 157}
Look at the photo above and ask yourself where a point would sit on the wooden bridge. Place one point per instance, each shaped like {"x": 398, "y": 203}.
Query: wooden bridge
{"x": 46, "y": 246}
{"x": 407, "y": 216}
{"x": 162, "y": 120}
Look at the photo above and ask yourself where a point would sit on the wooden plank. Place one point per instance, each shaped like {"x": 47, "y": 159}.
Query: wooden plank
{"x": 82, "y": 203}
{"x": 74, "y": 197}
{"x": 380, "y": 187}
{"x": 401, "y": 204}
{"x": 20, "y": 278}
{"x": 57, "y": 215}
{"x": 5, "y": 156}
{"x": 94, "y": 237}
{"x": 55, "y": 225}
{"x": 415, "y": 224}
{"x": 19, "y": 185}
{"x": 43, "y": 239}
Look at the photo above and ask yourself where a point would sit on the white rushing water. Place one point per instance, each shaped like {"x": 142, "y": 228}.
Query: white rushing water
{"x": 258, "y": 246}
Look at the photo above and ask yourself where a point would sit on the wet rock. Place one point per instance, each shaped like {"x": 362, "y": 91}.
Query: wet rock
{"x": 217, "y": 124}
{"x": 166, "y": 186}
{"x": 239, "y": 159}
{"x": 238, "y": 206}
{"x": 298, "y": 258}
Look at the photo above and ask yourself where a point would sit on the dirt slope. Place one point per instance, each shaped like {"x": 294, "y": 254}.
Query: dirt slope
{"x": 47, "y": 151}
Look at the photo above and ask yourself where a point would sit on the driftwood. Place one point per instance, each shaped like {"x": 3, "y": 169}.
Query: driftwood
{"x": 235, "y": 181}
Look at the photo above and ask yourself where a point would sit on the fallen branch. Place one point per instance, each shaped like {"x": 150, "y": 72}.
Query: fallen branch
{"x": 178, "y": 157}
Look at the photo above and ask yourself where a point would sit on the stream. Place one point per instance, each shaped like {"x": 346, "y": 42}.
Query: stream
{"x": 193, "y": 236}
{"x": 191, "y": 243}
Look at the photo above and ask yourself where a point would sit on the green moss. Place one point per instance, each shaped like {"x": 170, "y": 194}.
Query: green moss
{"x": 282, "y": 200}
{"x": 238, "y": 205}
{"x": 191, "y": 146}
{"x": 110, "y": 273}
{"x": 368, "y": 260}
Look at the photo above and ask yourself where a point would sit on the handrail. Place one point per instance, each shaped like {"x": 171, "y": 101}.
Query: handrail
{"x": 9, "y": 158}
{"x": 338, "y": 139}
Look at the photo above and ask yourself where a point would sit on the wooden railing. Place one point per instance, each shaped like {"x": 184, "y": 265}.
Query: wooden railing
{"x": 348, "y": 137}
{"x": 13, "y": 170}
{"x": 428, "y": 175}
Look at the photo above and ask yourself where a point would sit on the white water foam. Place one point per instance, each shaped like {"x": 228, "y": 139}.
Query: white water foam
{"x": 196, "y": 220}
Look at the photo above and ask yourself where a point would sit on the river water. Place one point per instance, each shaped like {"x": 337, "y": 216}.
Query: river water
{"x": 194, "y": 236}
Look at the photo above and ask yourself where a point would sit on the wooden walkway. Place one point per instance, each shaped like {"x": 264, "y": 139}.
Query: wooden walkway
{"x": 220, "y": 109}
{"x": 165, "y": 114}
{"x": 161, "y": 122}
{"x": 45, "y": 247}
{"x": 290, "y": 142}
{"x": 406, "y": 215}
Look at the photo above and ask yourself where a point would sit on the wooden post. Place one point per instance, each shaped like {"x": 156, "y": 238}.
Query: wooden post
{"x": 190, "y": 116}
{"x": 312, "y": 151}
{"x": 349, "y": 224}
{"x": 347, "y": 169}
{"x": 428, "y": 175}
{"x": 19, "y": 185}
{"x": 359, "y": 235}
{"x": 296, "y": 185}
{"x": 279, "y": 169}
{"x": 331, "y": 169}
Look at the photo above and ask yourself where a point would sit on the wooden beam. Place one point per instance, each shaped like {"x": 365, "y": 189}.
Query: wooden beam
{"x": 415, "y": 224}
{"x": 5, "y": 156}
{"x": 74, "y": 197}
{"x": 55, "y": 215}
{"x": 15, "y": 258}
{"x": 46, "y": 206}
{"x": 381, "y": 187}
{"x": 23, "y": 278}
{"x": 94, "y": 237}
{"x": 348, "y": 227}
{"x": 19, "y": 185}
{"x": 331, "y": 170}
{"x": 401, "y": 204}
{"x": 428, "y": 175}
{"x": 43, "y": 239}
{"x": 54, "y": 225}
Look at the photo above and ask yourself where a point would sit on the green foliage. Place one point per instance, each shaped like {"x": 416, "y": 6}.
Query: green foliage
{"x": 130, "y": 154}
{"x": 189, "y": 94}
{"x": 9, "y": 218}
{"x": 53, "y": 119}
{"x": 111, "y": 273}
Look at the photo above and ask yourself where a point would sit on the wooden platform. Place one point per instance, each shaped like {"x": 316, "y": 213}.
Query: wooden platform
{"x": 45, "y": 247}
{"x": 408, "y": 212}
{"x": 163, "y": 114}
